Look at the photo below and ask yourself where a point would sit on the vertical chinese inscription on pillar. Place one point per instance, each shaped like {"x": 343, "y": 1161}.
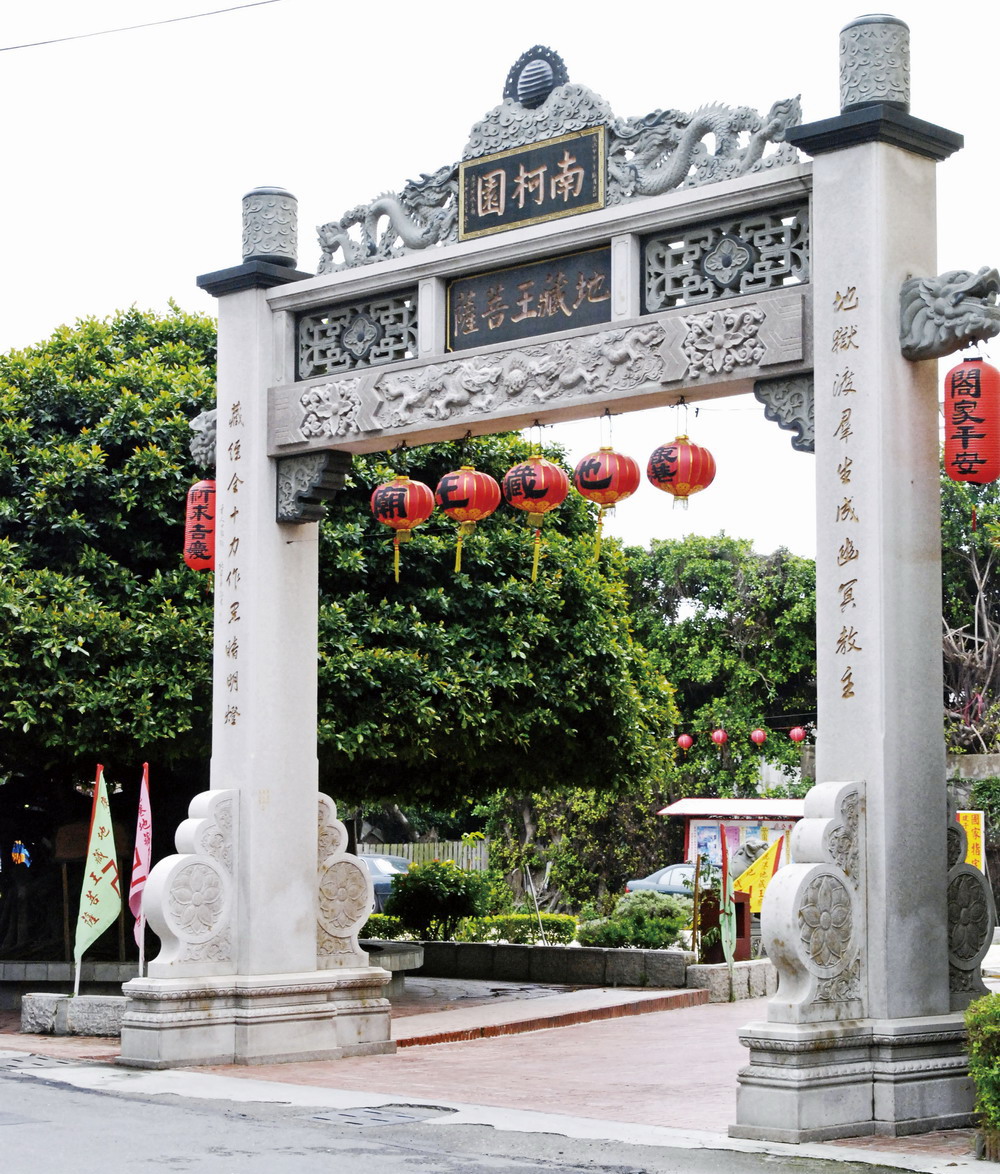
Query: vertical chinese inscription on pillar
{"x": 229, "y": 568}
{"x": 845, "y": 343}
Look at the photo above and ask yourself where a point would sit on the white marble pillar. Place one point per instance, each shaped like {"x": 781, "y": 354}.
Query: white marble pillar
{"x": 258, "y": 913}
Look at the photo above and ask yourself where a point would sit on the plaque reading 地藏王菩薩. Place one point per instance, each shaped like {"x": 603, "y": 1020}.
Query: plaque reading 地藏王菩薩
{"x": 528, "y": 185}
{"x": 525, "y": 301}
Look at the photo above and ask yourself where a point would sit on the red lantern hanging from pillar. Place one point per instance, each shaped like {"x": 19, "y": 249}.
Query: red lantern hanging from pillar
{"x": 468, "y": 496}
{"x": 681, "y": 468}
{"x": 606, "y": 478}
{"x": 972, "y": 422}
{"x": 199, "y": 527}
{"x": 535, "y": 486}
{"x": 401, "y": 504}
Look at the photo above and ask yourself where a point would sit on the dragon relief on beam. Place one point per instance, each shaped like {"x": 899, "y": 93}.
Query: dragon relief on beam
{"x": 645, "y": 157}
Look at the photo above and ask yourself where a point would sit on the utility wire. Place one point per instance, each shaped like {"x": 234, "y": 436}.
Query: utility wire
{"x": 132, "y": 27}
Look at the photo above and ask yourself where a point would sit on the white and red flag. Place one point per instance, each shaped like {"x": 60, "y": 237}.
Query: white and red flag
{"x": 100, "y": 896}
{"x": 140, "y": 864}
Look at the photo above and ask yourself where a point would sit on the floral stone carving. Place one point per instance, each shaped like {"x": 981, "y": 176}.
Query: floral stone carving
{"x": 190, "y": 897}
{"x": 826, "y": 922}
{"x": 344, "y": 892}
{"x": 971, "y": 918}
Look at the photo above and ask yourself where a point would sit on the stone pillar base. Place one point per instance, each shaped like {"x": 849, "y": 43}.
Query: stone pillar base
{"x": 255, "y": 1019}
{"x": 818, "y": 1082}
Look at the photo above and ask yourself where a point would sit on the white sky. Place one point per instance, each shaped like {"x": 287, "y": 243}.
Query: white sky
{"x": 126, "y": 156}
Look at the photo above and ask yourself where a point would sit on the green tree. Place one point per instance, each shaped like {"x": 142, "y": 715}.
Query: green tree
{"x": 736, "y": 633}
{"x": 447, "y": 687}
{"x": 104, "y": 653}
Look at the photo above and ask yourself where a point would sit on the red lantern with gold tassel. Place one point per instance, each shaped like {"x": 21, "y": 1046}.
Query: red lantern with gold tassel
{"x": 606, "y": 477}
{"x": 535, "y": 486}
{"x": 199, "y": 527}
{"x": 972, "y": 422}
{"x": 681, "y": 468}
{"x": 468, "y": 496}
{"x": 402, "y": 504}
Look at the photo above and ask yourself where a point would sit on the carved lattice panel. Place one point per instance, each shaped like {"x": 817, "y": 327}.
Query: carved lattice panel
{"x": 362, "y": 334}
{"x": 727, "y": 258}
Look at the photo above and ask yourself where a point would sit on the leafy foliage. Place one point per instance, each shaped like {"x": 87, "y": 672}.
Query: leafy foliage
{"x": 982, "y": 1019}
{"x": 105, "y": 653}
{"x": 736, "y": 633}
{"x": 520, "y": 929}
{"x": 431, "y": 899}
{"x": 647, "y": 921}
{"x": 453, "y": 686}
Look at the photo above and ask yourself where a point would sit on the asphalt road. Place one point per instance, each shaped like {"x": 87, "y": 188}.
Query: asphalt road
{"x": 96, "y": 1119}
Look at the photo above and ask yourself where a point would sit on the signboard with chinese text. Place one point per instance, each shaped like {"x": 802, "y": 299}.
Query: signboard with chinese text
{"x": 530, "y": 300}
{"x": 973, "y": 823}
{"x": 528, "y": 185}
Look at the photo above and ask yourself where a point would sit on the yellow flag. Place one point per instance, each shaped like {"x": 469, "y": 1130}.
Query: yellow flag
{"x": 755, "y": 879}
{"x": 100, "y": 897}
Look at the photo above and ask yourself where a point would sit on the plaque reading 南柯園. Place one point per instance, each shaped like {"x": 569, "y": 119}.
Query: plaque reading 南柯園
{"x": 559, "y": 293}
{"x": 527, "y": 185}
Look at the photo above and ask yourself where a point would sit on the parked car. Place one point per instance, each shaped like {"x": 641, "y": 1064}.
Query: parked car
{"x": 675, "y": 878}
{"x": 383, "y": 869}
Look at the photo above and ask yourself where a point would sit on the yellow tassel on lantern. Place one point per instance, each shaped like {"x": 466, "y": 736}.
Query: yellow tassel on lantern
{"x": 464, "y": 528}
{"x": 538, "y": 549}
{"x": 600, "y": 528}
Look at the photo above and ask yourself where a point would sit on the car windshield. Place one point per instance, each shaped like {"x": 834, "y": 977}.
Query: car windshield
{"x": 381, "y": 864}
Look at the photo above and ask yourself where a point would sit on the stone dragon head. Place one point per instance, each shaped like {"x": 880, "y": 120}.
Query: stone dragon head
{"x": 941, "y": 315}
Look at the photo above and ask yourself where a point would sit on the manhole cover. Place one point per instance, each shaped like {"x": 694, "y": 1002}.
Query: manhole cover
{"x": 383, "y": 1115}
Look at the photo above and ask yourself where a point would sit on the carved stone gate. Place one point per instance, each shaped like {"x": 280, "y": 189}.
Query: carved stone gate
{"x": 573, "y": 262}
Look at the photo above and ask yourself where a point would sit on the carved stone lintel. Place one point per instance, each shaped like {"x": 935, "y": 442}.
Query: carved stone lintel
{"x": 190, "y": 897}
{"x": 306, "y": 483}
{"x": 790, "y": 403}
{"x": 941, "y": 315}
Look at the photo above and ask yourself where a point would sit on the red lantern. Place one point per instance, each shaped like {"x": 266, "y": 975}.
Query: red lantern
{"x": 685, "y": 741}
{"x": 758, "y": 737}
{"x": 402, "y": 504}
{"x": 606, "y": 477}
{"x": 681, "y": 468}
{"x": 720, "y": 737}
{"x": 972, "y": 422}
{"x": 199, "y": 527}
{"x": 535, "y": 486}
{"x": 797, "y": 734}
{"x": 467, "y": 496}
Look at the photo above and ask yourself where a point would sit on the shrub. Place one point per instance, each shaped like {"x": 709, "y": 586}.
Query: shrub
{"x": 647, "y": 921}
{"x": 431, "y": 899}
{"x": 982, "y": 1018}
{"x": 518, "y": 928}
{"x": 382, "y": 927}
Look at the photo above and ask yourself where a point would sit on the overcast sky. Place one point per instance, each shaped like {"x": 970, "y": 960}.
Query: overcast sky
{"x": 126, "y": 156}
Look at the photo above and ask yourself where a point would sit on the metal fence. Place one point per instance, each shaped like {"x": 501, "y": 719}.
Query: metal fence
{"x": 474, "y": 855}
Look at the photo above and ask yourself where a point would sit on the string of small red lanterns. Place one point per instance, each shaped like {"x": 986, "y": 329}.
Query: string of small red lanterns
{"x": 758, "y": 736}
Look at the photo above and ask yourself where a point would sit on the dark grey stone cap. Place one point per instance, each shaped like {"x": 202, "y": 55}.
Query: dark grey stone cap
{"x": 881, "y": 123}
{"x": 251, "y": 275}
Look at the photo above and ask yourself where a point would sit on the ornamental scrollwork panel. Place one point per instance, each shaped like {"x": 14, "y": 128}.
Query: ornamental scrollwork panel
{"x": 344, "y": 893}
{"x": 190, "y": 897}
{"x": 813, "y": 920}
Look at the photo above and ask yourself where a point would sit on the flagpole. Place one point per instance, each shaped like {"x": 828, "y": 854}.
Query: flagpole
{"x": 140, "y": 866}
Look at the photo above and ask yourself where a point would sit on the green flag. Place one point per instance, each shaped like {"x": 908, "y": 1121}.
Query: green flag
{"x": 100, "y": 897}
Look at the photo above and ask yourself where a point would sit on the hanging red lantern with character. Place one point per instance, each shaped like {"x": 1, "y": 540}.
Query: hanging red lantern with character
{"x": 401, "y": 504}
{"x": 199, "y": 527}
{"x": 606, "y": 478}
{"x": 972, "y": 422}
{"x": 535, "y": 486}
{"x": 681, "y": 468}
{"x": 468, "y": 496}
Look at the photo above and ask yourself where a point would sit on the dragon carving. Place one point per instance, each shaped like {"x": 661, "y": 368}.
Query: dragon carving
{"x": 424, "y": 213}
{"x": 666, "y": 149}
{"x": 645, "y": 156}
{"x": 941, "y": 315}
